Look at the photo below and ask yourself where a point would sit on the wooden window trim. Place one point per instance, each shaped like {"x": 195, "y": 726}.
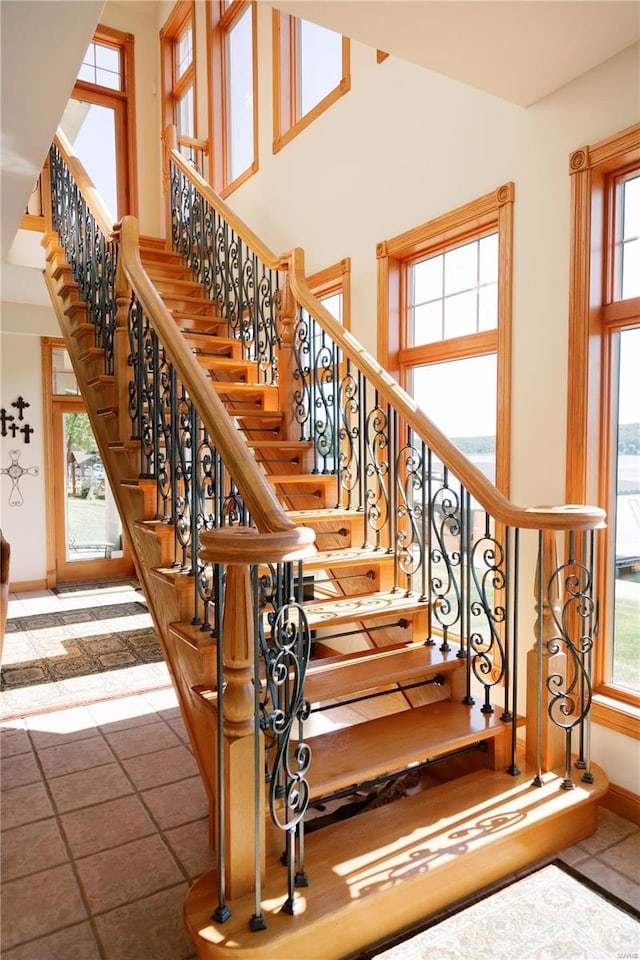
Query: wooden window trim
{"x": 127, "y": 176}
{"x": 219, "y": 23}
{"x": 286, "y": 123}
{"x": 172, "y": 88}
{"x": 493, "y": 211}
{"x": 334, "y": 279}
{"x": 592, "y": 315}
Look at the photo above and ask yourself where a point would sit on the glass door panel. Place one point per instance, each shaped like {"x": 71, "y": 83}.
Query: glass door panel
{"x": 91, "y": 130}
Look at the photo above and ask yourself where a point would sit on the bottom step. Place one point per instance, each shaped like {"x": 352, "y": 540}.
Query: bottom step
{"x": 376, "y": 874}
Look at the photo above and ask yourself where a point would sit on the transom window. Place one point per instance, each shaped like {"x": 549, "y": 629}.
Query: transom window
{"x": 179, "y": 75}
{"x": 627, "y": 246}
{"x": 454, "y": 293}
{"x": 101, "y": 66}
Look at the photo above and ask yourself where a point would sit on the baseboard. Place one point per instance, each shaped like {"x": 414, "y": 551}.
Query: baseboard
{"x": 622, "y": 802}
{"x": 21, "y": 586}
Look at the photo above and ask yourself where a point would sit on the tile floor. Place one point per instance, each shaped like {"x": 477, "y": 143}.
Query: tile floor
{"x": 104, "y": 825}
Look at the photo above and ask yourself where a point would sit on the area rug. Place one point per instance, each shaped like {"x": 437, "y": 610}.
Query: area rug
{"x": 76, "y": 656}
{"x": 548, "y": 915}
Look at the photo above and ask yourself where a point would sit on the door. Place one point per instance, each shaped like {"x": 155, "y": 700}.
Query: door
{"x": 88, "y": 533}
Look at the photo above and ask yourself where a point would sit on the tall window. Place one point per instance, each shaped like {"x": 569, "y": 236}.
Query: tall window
{"x": 310, "y": 72}
{"x": 99, "y": 119}
{"x": 179, "y": 74}
{"x": 444, "y": 324}
{"x": 234, "y": 95}
{"x": 603, "y": 453}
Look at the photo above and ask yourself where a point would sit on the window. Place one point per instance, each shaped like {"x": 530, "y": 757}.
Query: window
{"x": 234, "y": 96}
{"x": 603, "y": 451}
{"x": 179, "y": 75}
{"x": 99, "y": 119}
{"x": 445, "y": 324}
{"x": 311, "y": 72}
{"x": 332, "y": 287}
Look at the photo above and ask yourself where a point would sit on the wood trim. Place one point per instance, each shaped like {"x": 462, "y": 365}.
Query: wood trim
{"x": 31, "y": 221}
{"x": 335, "y": 279}
{"x": 46, "y": 346}
{"x": 381, "y": 56}
{"x": 622, "y": 802}
{"x": 219, "y": 24}
{"x": 22, "y": 586}
{"x": 287, "y": 123}
{"x": 473, "y": 345}
{"x": 591, "y": 317}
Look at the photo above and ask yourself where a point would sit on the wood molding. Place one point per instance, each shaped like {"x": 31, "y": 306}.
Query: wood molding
{"x": 622, "y": 802}
{"x": 616, "y": 715}
{"x": 381, "y": 56}
{"x": 31, "y": 221}
{"x": 22, "y": 586}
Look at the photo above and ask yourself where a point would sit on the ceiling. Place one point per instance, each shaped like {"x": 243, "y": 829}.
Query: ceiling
{"x": 520, "y": 51}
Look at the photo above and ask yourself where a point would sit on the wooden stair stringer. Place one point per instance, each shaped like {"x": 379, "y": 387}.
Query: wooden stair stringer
{"x": 376, "y": 874}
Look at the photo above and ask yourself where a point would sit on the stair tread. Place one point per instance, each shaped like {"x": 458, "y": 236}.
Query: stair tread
{"x": 348, "y": 556}
{"x": 328, "y": 513}
{"x": 306, "y": 478}
{"x": 360, "y": 607}
{"x": 377, "y": 873}
{"x": 391, "y": 743}
{"x": 368, "y": 669}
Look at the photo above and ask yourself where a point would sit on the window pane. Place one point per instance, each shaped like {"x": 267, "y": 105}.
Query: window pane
{"x": 101, "y": 66}
{"x": 319, "y": 64}
{"x": 63, "y": 379}
{"x": 427, "y": 279}
{"x": 460, "y": 315}
{"x": 333, "y": 303}
{"x": 184, "y": 113}
{"x": 626, "y": 522}
{"x": 461, "y": 268}
{"x": 489, "y": 259}
{"x": 425, "y": 324}
{"x": 91, "y": 130}
{"x": 460, "y": 397}
{"x": 488, "y": 307}
{"x": 184, "y": 52}
{"x": 627, "y": 252}
{"x": 240, "y": 95}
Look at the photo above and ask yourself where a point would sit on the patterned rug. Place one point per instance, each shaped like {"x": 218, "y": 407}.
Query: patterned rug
{"x": 551, "y": 914}
{"x": 58, "y": 659}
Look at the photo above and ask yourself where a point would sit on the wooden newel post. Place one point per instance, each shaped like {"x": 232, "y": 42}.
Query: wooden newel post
{"x": 287, "y": 315}
{"x": 545, "y": 740}
{"x": 241, "y": 794}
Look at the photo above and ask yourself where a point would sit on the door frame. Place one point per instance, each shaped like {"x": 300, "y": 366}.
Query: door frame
{"x": 59, "y": 570}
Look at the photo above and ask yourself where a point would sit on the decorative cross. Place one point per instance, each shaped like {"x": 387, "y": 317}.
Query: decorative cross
{"x": 27, "y": 430}
{"x": 16, "y": 472}
{"x": 4, "y": 419}
{"x": 21, "y": 405}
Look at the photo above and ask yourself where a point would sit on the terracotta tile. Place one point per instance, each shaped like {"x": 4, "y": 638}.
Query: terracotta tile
{"x": 190, "y": 843}
{"x": 139, "y": 740}
{"x": 178, "y": 727}
{"x": 612, "y": 881}
{"x": 71, "y": 757}
{"x": 18, "y": 770}
{"x": 176, "y": 803}
{"x": 624, "y": 856}
{"x": 611, "y": 829}
{"x": 72, "y": 943}
{"x": 61, "y": 727}
{"x": 89, "y": 787}
{"x": 59, "y": 905}
{"x": 25, "y": 805}
{"x": 166, "y": 766}
{"x": 151, "y": 929}
{"x": 573, "y": 855}
{"x": 164, "y": 702}
{"x": 126, "y": 873}
{"x": 31, "y": 848}
{"x": 14, "y": 740}
{"x": 107, "y": 825}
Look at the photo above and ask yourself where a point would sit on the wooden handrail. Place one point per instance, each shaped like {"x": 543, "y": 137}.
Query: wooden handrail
{"x": 257, "y": 494}
{"x": 565, "y": 517}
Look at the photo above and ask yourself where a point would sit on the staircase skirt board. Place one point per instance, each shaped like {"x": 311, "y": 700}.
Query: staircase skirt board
{"x": 378, "y": 873}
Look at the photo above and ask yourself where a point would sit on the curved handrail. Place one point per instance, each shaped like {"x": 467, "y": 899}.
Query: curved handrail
{"x": 267, "y": 514}
{"x": 565, "y": 517}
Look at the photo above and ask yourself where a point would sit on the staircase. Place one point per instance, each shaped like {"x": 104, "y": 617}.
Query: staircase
{"x": 337, "y": 591}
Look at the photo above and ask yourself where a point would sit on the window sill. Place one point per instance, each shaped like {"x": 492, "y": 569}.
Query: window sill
{"x": 619, "y": 716}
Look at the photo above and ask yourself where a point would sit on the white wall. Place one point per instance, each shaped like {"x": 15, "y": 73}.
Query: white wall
{"x": 20, "y": 367}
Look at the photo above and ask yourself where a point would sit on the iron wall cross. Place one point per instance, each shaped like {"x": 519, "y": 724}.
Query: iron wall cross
{"x": 15, "y": 472}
